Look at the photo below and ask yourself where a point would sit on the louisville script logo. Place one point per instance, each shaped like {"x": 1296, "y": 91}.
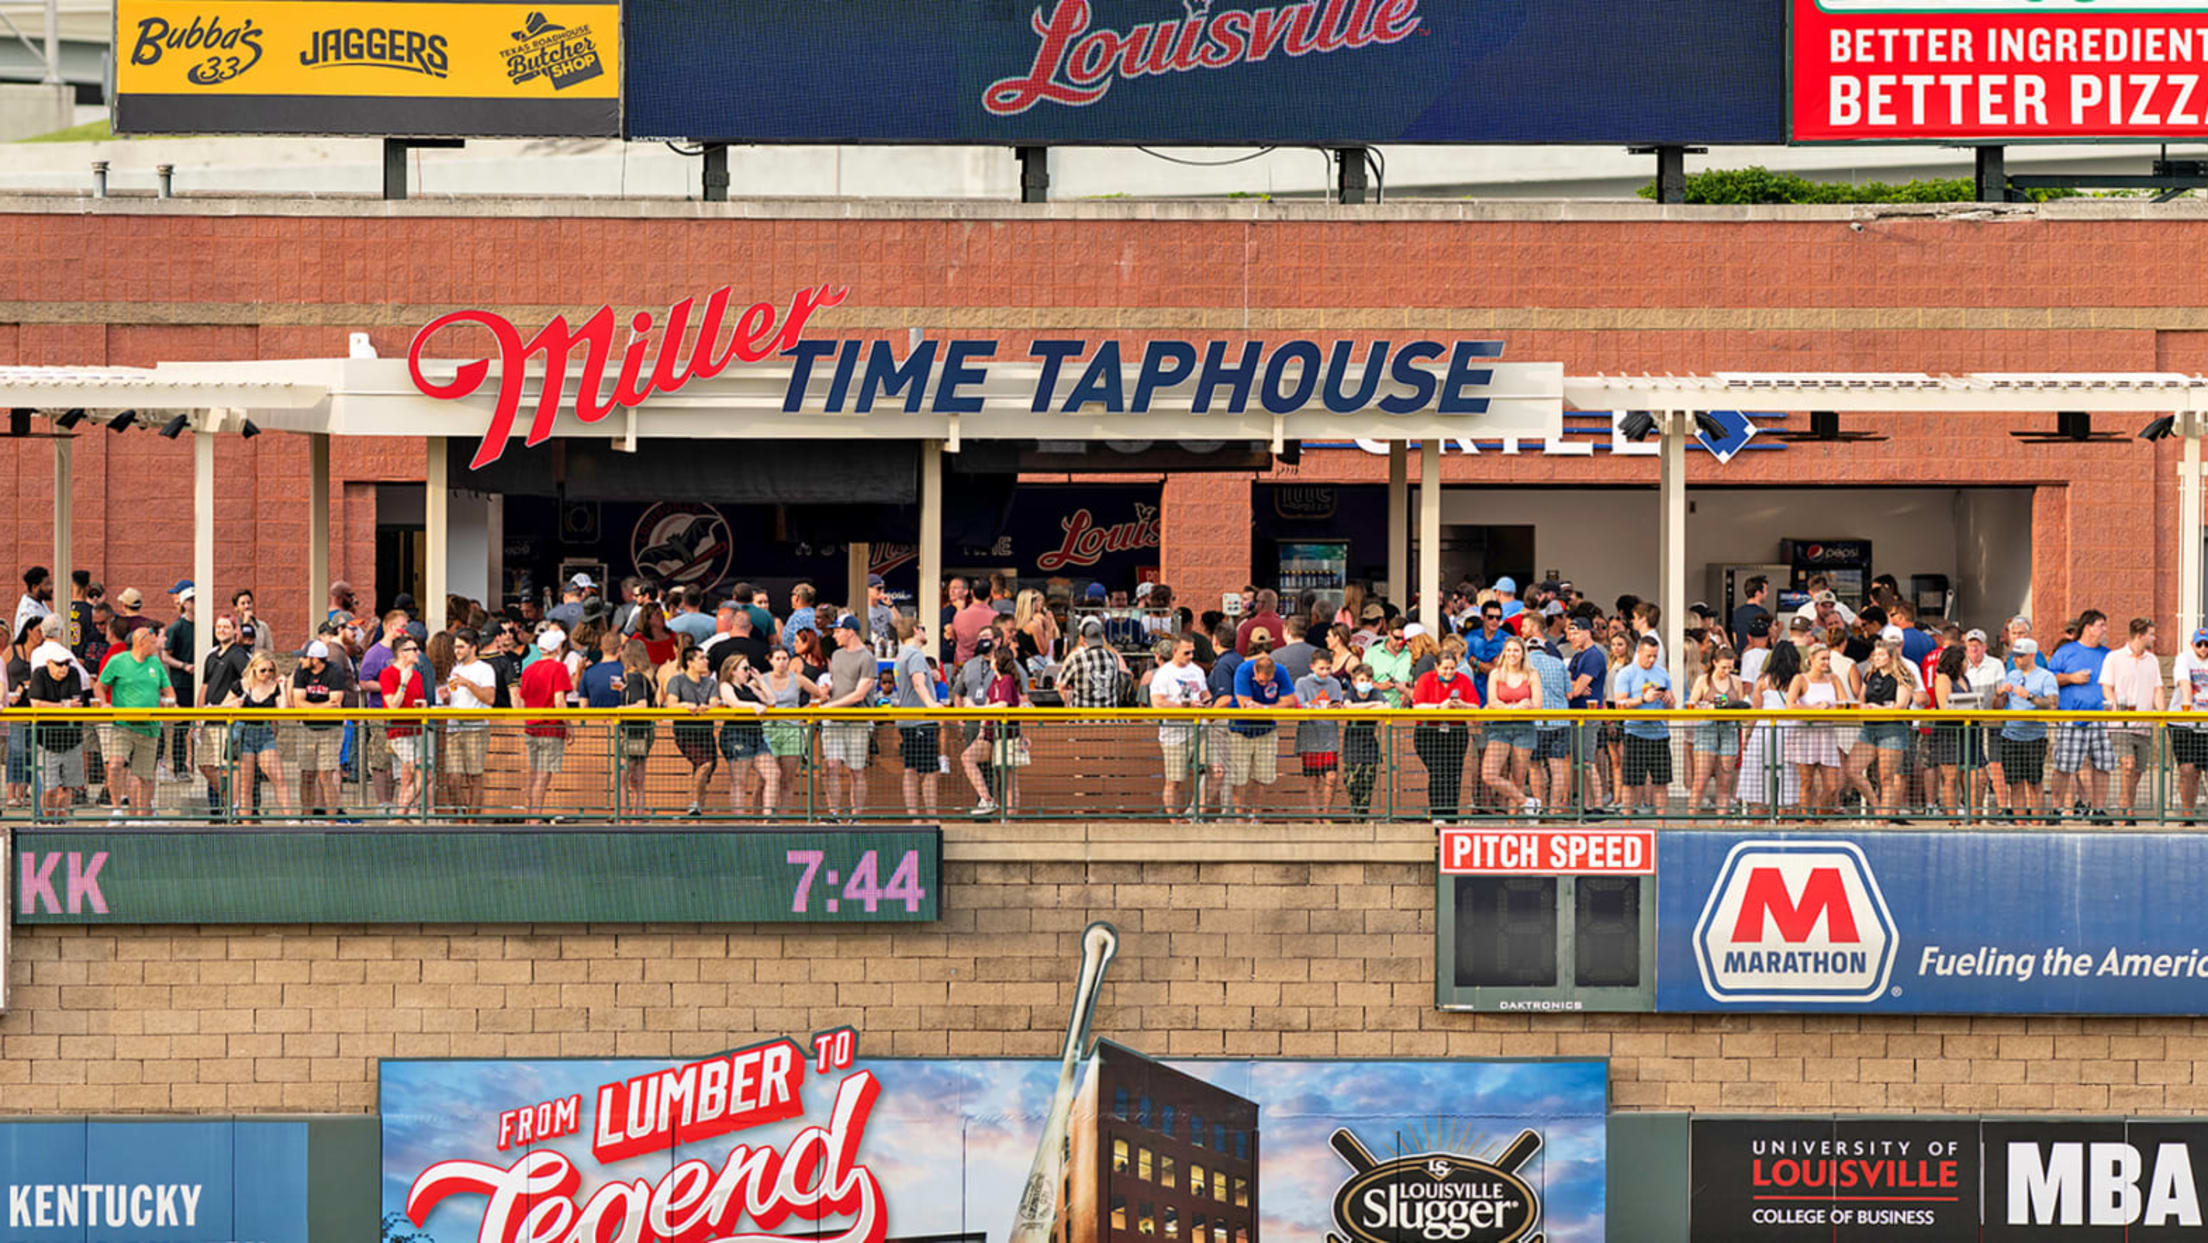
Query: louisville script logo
{"x": 1075, "y": 64}
{"x": 1795, "y": 922}
{"x": 1436, "y": 1197}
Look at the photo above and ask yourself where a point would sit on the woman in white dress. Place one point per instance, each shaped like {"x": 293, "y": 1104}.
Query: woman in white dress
{"x": 1814, "y": 750}
{"x": 1764, "y": 773}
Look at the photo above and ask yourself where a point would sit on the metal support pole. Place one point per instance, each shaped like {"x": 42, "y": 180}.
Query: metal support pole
{"x": 1429, "y": 535}
{"x": 1351, "y": 175}
{"x": 2188, "y": 525}
{"x": 1993, "y": 181}
{"x": 1034, "y": 174}
{"x": 716, "y": 172}
{"x": 437, "y": 533}
{"x": 930, "y": 590}
{"x": 394, "y": 168}
{"x": 53, "y": 43}
{"x": 318, "y": 526}
{"x": 65, "y": 478}
{"x": 1399, "y": 522}
{"x": 203, "y": 538}
{"x": 1671, "y": 174}
{"x": 1671, "y": 594}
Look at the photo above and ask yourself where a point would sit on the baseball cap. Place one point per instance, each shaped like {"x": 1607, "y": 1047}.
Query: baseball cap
{"x": 848, "y": 622}
{"x": 2201, "y": 635}
{"x": 182, "y": 584}
{"x": 1578, "y": 621}
{"x": 874, "y": 580}
{"x": 1371, "y": 612}
{"x": 189, "y": 593}
{"x": 1143, "y": 590}
{"x": 1826, "y": 597}
{"x": 1551, "y": 609}
{"x": 1096, "y": 591}
{"x": 581, "y": 580}
{"x": 551, "y": 639}
{"x": 1891, "y": 634}
{"x": 1799, "y": 623}
{"x": 2022, "y": 620}
{"x": 1414, "y": 630}
{"x": 130, "y": 598}
{"x": 49, "y": 652}
{"x": 1980, "y": 635}
{"x": 1699, "y": 609}
{"x": 1507, "y": 585}
{"x": 984, "y": 642}
{"x": 1760, "y": 626}
{"x": 1093, "y": 627}
{"x": 1261, "y": 634}
{"x": 317, "y": 650}
{"x": 2025, "y": 647}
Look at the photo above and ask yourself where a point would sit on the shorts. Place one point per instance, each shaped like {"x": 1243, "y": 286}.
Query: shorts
{"x": 921, "y": 747}
{"x": 375, "y": 748}
{"x": 1320, "y": 763}
{"x": 135, "y": 751}
{"x": 1959, "y": 746}
{"x": 2024, "y": 763}
{"x": 846, "y": 743}
{"x": 2079, "y": 744}
{"x": 111, "y": 751}
{"x": 1177, "y": 754}
{"x": 785, "y": 740}
{"x": 696, "y": 744}
{"x": 1511, "y": 734}
{"x": 1812, "y": 745}
{"x": 1885, "y": 735}
{"x": 1552, "y": 744}
{"x": 1717, "y": 738}
{"x": 2190, "y": 746}
{"x": 60, "y": 770}
{"x": 1252, "y": 757}
{"x": 2136, "y": 745}
{"x": 212, "y": 745}
{"x": 253, "y": 739}
{"x": 1647, "y": 761}
{"x": 406, "y": 749}
{"x": 318, "y": 749}
{"x": 742, "y": 742}
{"x": 545, "y": 754}
{"x": 465, "y": 751}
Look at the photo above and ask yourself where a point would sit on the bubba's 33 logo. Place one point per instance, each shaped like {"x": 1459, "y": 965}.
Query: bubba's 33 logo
{"x": 231, "y": 49}
{"x": 1436, "y": 1197}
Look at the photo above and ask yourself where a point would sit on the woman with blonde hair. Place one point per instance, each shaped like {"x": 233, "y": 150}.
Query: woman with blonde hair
{"x": 256, "y": 744}
{"x": 1814, "y": 750}
{"x": 1882, "y": 681}
{"x": 1512, "y": 685}
{"x": 1353, "y": 603}
{"x": 1034, "y": 629}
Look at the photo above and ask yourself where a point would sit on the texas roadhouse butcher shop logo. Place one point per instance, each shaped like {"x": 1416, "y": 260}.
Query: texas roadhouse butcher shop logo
{"x": 816, "y": 1178}
{"x": 1075, "y": 65}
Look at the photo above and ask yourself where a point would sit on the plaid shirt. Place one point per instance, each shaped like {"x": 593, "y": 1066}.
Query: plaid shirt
{"x": 1090, "y": 678}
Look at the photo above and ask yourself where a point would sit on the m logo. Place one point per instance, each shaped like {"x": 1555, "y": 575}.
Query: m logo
{"x": 1795, "y": 922}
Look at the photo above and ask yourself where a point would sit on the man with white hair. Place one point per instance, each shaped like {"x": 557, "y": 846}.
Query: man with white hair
{"x": 136, "y": 679}
{"x": 57, "y": 682}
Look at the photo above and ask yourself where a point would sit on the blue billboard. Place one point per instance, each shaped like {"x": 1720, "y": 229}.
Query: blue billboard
{"x": 1932, "y": 923}
{"x": 1220, "y": 72}
{"x": 81, "y": 1181}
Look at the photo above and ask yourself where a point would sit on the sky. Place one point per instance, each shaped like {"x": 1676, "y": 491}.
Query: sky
{"x": 951, "y": 1140}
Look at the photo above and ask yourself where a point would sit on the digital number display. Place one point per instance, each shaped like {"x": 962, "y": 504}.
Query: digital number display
{"x": 863, "y": 888}
{"x": 1556, "y": 942}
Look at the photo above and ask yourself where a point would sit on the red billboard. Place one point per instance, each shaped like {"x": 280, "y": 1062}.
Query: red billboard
{"x": 1999, "y": 70}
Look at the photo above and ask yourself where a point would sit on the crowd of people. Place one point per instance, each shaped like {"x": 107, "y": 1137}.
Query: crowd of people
{"x": 738, "y": 668}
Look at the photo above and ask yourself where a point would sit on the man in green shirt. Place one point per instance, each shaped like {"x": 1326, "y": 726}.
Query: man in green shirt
{"x": 1390, "y": 662}
{"x": 137, "y": 679}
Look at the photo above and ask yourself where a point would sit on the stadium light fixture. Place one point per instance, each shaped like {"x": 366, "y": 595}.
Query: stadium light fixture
{"x": 1636, "y": 425}
{"x": 2159, "y": 429}
{"x": 122, "y": 422}
{"x": 175, "y": 427}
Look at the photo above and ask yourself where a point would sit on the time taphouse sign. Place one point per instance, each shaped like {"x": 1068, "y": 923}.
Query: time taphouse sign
{"x": 2013, "y": 70}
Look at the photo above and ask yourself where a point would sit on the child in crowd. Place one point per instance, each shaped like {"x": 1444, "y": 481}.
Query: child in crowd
{"x": 1319, "y": 742}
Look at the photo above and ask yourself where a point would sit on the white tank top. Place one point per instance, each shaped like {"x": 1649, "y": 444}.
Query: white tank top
{"x": 1821, "y": 694}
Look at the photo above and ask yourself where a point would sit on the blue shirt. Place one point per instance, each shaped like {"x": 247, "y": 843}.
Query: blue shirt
{"x": 1916, "y": 644}
{"x": 1512, "y": 608}
{"x": 1482, "y": 648}
{"x": 1593, "y": 666}
{"x": 800, "y": 620}
{"x": 2074, "y": 657}
{"x": 1221, "y": 681}
{"x": 597, "y": 685}
{"x": 1251, "y": 693}
{"x": 2039, "y": 683}
{"x": 698, "y": 626}
{"x": 1630, "y": 682}
{"x": 1555, "y": 688}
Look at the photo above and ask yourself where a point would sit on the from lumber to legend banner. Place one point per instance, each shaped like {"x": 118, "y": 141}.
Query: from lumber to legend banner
{"x": 2013, "y": 70}
{"x": 391, "y": 67}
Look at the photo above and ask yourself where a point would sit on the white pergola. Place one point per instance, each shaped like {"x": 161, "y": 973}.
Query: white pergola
{"x": 321, "y": 398}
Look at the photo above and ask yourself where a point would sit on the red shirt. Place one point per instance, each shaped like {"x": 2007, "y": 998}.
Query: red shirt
{"x": 1273, "y": 625}
{"x": 402, "y": 689}
{"x": 1430, "y": 689}
{"x": 545, "y": 684}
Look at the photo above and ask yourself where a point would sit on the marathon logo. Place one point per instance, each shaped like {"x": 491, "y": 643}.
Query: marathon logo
{"x": 408, "y": 50}
{"x": 1795, "y": 922}
{"x": 144, "y": 1206}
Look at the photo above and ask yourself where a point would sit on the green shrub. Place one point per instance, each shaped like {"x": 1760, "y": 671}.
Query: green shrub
{"x": 1757, "y": 184}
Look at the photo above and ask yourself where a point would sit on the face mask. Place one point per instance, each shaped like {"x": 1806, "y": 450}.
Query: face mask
{"x": 1364, "y": 688}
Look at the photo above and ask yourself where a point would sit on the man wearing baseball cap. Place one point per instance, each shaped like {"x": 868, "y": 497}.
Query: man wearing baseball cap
{"x": 568, "y": 613}
{"x": 55, "y": 683}
{"x": 2189, "y": 743}
{"x": 881, "y": 619}
{"x": 2027, "y": 688}
{"x": 127, "y": 609}
{"x": 851, "y": 674}
{"x": 1506, "y": 594}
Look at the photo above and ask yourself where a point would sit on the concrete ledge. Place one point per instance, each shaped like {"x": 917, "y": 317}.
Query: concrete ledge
{"x": 1157, "y": 842}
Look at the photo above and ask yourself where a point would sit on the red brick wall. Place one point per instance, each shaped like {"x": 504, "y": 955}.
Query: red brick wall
{"x": 1633, "y": 293}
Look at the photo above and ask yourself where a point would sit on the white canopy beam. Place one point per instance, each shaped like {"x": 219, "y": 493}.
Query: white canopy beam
{"x": 1399, "y": 522}
{"x": 65, "y": 500}
{"x": 2189, "y": 426}
{"x": 1676, "y": 428}
{"x": 1428, "y": 595}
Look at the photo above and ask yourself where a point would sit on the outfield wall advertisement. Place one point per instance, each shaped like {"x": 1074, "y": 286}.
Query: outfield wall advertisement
{"x": 806, "y": 1139}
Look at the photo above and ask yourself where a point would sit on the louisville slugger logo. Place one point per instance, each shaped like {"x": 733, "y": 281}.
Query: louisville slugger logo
{"x": 1076, "y": 65}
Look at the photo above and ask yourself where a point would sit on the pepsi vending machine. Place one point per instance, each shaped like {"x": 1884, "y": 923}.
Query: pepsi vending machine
{"x": 1847, "y": 562}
